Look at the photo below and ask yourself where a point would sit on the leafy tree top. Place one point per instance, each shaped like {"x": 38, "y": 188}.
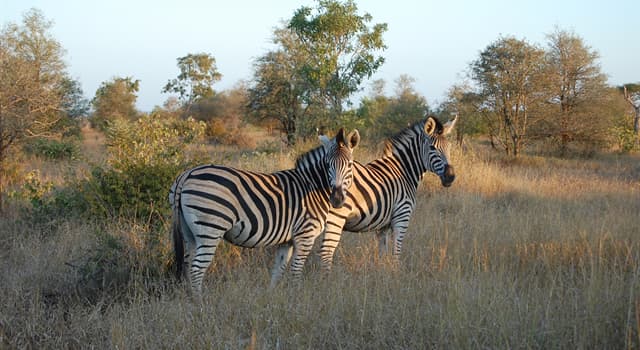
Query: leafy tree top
{"x": 198, "y": 73}
{"x": 341, "y": 48}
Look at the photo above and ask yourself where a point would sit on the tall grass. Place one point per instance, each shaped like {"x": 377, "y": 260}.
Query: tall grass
{"x": 534, "y": 253}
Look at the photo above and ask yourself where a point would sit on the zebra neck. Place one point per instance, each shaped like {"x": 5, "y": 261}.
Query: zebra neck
{"x": 407, "y": 157}
{"x": 310, "y": 166}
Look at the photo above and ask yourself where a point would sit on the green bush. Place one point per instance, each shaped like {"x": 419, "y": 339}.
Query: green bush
{"x": 140, "y": 191}
{"x": 48, "y": 205}
{"x": 130, "y": 191}
{"x": 145, "y": 156}
{"x": 52, "y": 149}
{"x": 624, "y": 139}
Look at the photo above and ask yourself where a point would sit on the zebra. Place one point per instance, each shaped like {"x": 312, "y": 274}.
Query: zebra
{"x": 383, "y": 195}
{"x": 286, "y": 208}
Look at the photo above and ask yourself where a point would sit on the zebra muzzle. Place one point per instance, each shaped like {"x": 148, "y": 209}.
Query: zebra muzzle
{"x": 337, "y": 197}
{"x": 448, "y": 176}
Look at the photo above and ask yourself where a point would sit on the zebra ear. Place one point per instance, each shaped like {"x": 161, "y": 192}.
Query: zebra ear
{"x": 340, "y": 137}
{"x": 448, "y": 126}
{"x": 430, "y": 126}
{"x": 353, "y": 138}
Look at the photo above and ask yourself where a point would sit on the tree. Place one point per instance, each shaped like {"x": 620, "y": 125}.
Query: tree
{"x": 341, "y": 49}
{"x": 406, "y": 107}
{"x": 115, "y": 99}
{"x": 73, "y": 104}
{"x": 198, "y": 73}
{"x": 464, "y": 102}
{"x": 224, "y": 113}
{"x": 631, "y": 93}
{"x": 31, "y": 71}
{"x": 509, "y": 73}
{"x": 373, "y": 109}
{"x": 277, "y": 92}
{"x": 577, "y": 88}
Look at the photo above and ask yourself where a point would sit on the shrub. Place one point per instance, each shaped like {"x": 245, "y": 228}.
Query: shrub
{"x": 138, "y": 191}
{"x": 49, "y": 204}
{"x": 52, "y": 149}
{"x": 624, "y": 139}
{"x": 144, "y": 158}
{"x": 216, "y": 131}
{"x": 126, "y": 254}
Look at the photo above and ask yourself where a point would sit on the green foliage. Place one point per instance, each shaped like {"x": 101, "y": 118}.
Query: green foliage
{"x": 52, "y": 149}
{"x": 624, "y": 137}
{"x": 342, "y": 48}
{"x": 322, "y": 58}
{"x": 74, "y": 105}
{"x": 224, "y": 114}
{"x": 50, "y": 205}
{"x": 150, "y": 141}
{"x": 278, "y": 91}
{"x": 138, "y": 192}
{"x": 381, "y": 116}
{"x": 510, "y": 76}
{"x": 34, "y": 189}
{"x": 115, "y": 99}
{"x": 198, "y": 72}
{"x": 464, "y": 102}
{"x": 144, "y": 158}
{"x": 31, "y": 69}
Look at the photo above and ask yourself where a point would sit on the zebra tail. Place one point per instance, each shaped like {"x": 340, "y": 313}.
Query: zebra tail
{"x": 178, "y": 242}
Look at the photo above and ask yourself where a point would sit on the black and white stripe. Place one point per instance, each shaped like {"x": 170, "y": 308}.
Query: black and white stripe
{"x": 252, "y": 209}
{"x": 383, "y": 194}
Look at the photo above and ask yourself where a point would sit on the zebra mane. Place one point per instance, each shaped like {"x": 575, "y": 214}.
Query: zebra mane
{"x": 310, "y": 159}
{"x": 408, "y": 133}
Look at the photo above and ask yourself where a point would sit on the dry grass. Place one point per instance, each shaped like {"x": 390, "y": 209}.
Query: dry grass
{"x": 538, "y": 253}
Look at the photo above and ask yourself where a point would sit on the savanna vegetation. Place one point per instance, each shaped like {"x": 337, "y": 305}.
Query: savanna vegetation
{"x": 535, "y": 245}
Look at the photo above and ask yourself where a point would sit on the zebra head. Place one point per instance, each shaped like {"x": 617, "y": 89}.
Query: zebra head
{"x": 339, "y": 164}
{"x": 435, "y": 155}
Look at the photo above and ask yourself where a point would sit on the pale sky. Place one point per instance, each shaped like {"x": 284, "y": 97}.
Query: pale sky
{"x": 431, "y": 41}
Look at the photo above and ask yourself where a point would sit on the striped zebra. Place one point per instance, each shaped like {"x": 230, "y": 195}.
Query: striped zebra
{"x": 249, "y": 209}
{"x": 383, "y": 195}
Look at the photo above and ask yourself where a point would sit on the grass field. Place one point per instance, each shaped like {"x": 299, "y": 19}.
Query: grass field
{"x": 538, "y": 253}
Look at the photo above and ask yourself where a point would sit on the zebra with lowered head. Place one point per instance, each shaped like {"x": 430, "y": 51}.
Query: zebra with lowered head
{"x": 250, "y": 209}
{"x": 383, "y": 195}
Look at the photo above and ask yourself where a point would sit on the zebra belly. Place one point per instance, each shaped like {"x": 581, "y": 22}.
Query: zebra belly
{"x": 360, "y": 223}
{"x": 244, "y": 235}
{"x": 363, "y": 226}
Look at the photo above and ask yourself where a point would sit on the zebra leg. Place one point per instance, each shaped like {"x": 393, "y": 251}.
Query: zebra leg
{"x": 204, "y": 254}
{"x": 188, "y": 241}
{"x": 302, "y": 246}
{"x": 283, "y": 255}
{"x": 383, "y": 241}
{"x": 189, "y": 251}
{"x": 399, "y": 231}
{"x": 330, "y": 241}
{"x": 205, "y": 240}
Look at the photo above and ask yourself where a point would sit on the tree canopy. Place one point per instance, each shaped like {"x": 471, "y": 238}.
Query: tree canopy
{"x": 341, "y": 47}
{"x": 31, "y": 73}
{"x": 198, "y": 73}
{"x": 323, "y": 55}
{"x": 577, "y": 89}
{"x": 115, "y": 99}
{"x": 509, "y": 75}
